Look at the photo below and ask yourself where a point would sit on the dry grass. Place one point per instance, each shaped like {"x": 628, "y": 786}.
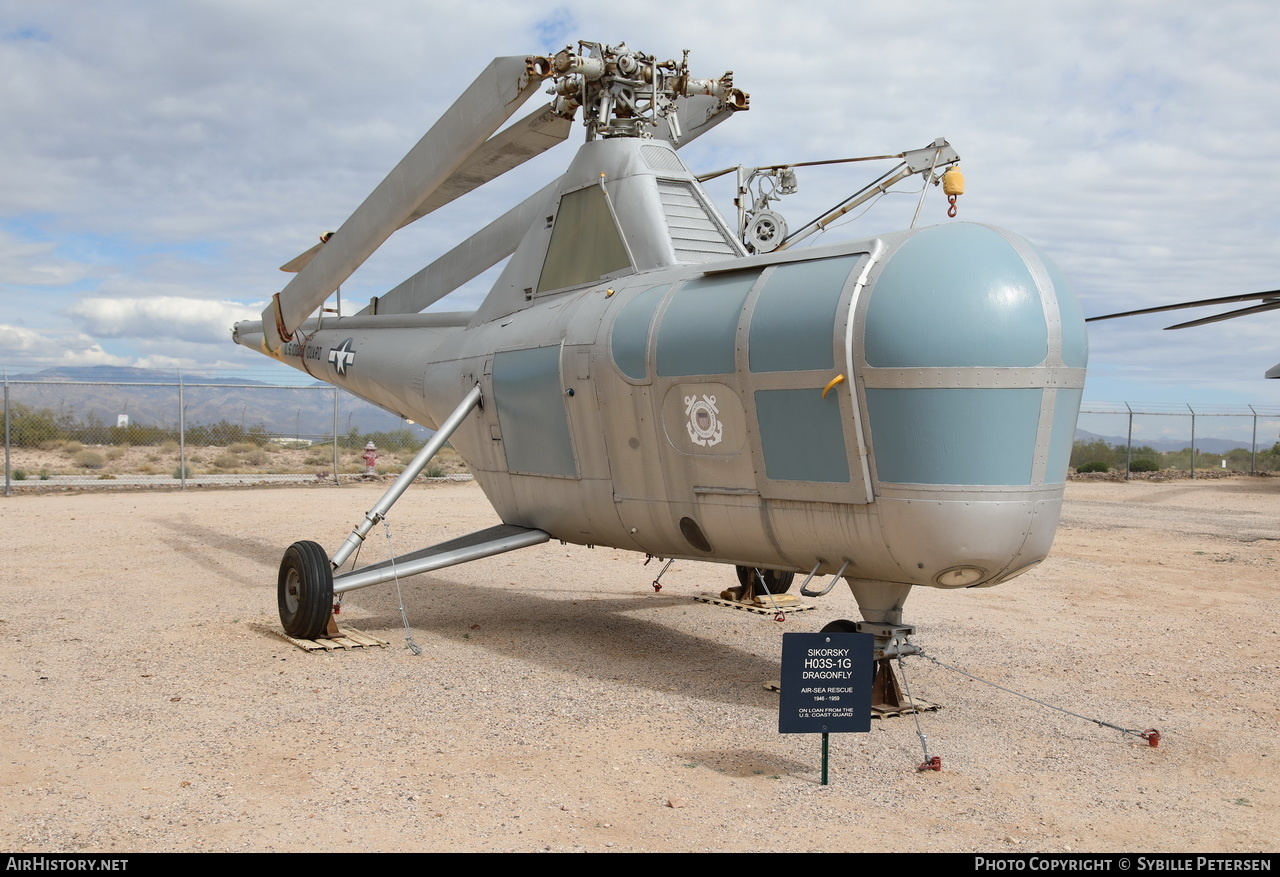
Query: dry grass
{"x": 121, "y": 462}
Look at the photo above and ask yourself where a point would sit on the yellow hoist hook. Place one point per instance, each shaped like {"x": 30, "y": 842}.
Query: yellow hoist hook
{"x": 953, "y": 186}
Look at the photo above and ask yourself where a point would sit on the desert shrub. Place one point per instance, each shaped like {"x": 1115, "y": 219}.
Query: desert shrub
{"x": 114, "y": 454}
{"x": 44, "y": 475}
{"x": 317, "y": 460}
{"x": 1144, "y": 466}
{"x": 169, "y": 447}
{"x": 146, "y": 469}
{"x": 182, "y": 472}
{"x": 256, "y": 457}
{"x": 226, "y": 461}
{"x": 242, "y": 447}
{"x": 72, "y": 447}
{"x": 19, "y": 475}
{"x": 89, "y": 460}
{"x": 434, "y": 471}
{"x": 1095, "y": 466}
{"x": 52, "y": 445}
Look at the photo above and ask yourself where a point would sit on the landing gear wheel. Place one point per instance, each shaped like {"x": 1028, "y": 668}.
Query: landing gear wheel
{"x": 304, "y": 590}
{"x": 775, "y": 582}
{"x": 842, "y": 625}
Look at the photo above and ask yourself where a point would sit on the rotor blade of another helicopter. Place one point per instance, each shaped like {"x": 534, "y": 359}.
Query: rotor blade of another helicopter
{"x": 1224, "y": 300}
{"x": 488, "y": 102}
{"x": 1229, "y": 315}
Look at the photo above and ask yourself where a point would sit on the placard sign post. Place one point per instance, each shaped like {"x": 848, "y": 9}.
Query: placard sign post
{"x": 826, "y": 685}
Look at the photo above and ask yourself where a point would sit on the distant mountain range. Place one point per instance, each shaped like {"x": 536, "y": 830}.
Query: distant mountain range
{"x": 1207, "y": 444}
{"x": 150, "y": 397}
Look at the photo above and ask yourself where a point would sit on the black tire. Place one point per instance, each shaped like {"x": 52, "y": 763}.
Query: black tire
{"x": 776, "y": 581}
{"x": 841, "y": 625}
{"x": 304, "y": 590}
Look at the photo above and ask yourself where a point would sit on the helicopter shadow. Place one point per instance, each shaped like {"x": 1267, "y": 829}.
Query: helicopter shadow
{"x": 593, "y": 637}
{"x": 203, "y": 546}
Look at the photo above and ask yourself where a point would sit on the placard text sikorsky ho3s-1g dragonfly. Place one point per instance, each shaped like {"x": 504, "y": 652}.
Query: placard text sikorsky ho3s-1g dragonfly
{"x": 645, "y": 375}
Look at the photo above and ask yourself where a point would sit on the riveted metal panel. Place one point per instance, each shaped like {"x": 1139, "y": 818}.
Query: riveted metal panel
{"x": 954, "y": 436}
{"x": 630, "y": 337}
{"x": 531, "y": 412}
{"x": 795, "y": 313}
{"x": 802, "y": 436}
{"x": 700, "y": 324}
{"x": 973, "y": 378}
{"x": 1075, "y": 341}
{"x": 585, "y": 242}
{"x": 955, "y": 295}
{"x": 1066, "y": 408}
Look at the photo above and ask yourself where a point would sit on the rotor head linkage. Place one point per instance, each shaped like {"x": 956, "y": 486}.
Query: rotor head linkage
{"x": 625, "y": 93}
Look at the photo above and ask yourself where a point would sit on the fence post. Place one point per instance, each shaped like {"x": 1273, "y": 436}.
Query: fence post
{"x": 1128, "y": 447}
{"x": 1193, "y": 440}
{"x": 335, "y": 434}
{"x": 1253, "y": 447}
{"x": 8, "y": 488}
{"x": 182, "y": 433}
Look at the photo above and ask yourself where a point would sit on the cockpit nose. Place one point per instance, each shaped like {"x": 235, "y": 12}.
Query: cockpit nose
{"x": 973, "y": 361}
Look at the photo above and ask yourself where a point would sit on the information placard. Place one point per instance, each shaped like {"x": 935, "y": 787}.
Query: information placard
{"x": 826, "y": 683}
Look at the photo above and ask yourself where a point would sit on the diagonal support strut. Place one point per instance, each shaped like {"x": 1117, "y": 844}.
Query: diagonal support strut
{"x": 401, "y": 484}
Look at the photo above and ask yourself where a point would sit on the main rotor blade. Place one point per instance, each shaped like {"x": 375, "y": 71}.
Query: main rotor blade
{"x": 298, "y": 262}
{"x": 1229, "y": 315}
{"x": 1224, "y": 300}
{"x": 489, "y": 246}
{"x": 467, "y": 260}
{"x": 526, "y": 139}
{"x": 488, "y": 102}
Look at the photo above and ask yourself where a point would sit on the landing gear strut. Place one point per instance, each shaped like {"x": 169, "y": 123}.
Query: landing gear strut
{"x": 756, "y": 582}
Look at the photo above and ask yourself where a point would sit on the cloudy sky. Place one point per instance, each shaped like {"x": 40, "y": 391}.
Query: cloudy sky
{"x": 159, "y": 161}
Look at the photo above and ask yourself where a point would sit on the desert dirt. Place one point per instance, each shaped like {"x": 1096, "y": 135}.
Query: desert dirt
{"x": 147, "y": 704}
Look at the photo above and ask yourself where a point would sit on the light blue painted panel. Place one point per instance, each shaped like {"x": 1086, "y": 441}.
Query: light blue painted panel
{"x": 1065, "y": 410}
{"x": 802, "y": 435}
{"x": 792, "y": 322}
{"x": 954, "y": 436}
{"x": 1075, "y": 340}
{"x": 955, "y": 295}
{"x": 631, "y": 332}
{"x": 699, "y": 326}
{"x": 531, "y": 413}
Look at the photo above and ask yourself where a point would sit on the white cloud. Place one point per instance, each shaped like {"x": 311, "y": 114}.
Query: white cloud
{"x": 35, "y": 263}
{"x": 178, "y": 319}
{"x": 27, "y": 347}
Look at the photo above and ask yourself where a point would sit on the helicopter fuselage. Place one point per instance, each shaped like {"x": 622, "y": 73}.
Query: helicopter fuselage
{"x": 902, "y": 407}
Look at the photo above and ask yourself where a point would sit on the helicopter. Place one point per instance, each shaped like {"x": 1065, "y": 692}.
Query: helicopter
{"x": 645, "y": 375}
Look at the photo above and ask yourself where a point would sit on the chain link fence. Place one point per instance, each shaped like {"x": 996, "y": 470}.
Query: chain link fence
{"x": 171, "y": 429}
{"x": 176, "y": 431}
{"x": 1187, "y": 439}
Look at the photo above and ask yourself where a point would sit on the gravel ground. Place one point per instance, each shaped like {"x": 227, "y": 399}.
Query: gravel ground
{"x": 147, "y": 704}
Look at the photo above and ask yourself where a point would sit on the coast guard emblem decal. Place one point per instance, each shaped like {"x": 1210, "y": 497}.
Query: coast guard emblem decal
{"x": 704, "y": 426}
